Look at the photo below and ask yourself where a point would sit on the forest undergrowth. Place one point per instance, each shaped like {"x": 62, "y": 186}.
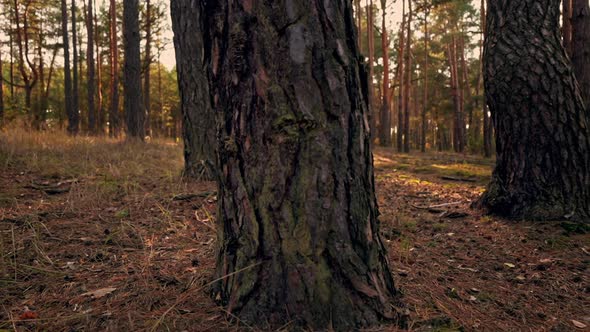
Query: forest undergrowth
{"x": 98, "y": 234}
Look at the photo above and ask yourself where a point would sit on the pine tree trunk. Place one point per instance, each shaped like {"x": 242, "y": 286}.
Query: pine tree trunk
{"x": 147, "y": 73}
{"x": 385, "y": 121}
{"x": 581, "y": 47}
{"x": 543, "y": 132}
{"x": 1, "y": 92}
{"x": 425, "y": 75}
{"x": 91, "y": 80}
{"x": 371, "y": 41}
{"x": 134, "y": 111}
{"x": 402, "y": 79}
{"x": 100, "y": 101}
{"x": 67, "y": 69}
{"x": 299, "y": 235}
{"x": 74, "y": 126}
{"x": 566, "y": 29}
{"x": 198, "y": 118}
{"x": 114, "y": 126}
{"x": 408, "y": 84}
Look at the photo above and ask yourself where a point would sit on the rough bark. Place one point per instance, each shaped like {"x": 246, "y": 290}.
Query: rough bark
{"x": 114, "y": 126}
{"x": 543, "y": 132}
{"x": 298, "y": 229}
{"x": 581, "y": 47}
{"x": 134, "y": 111}
{"x": 90, "y": 70}
{"x": 198, "y": 118}
{"x": 385, "y": 117}
{"x": 74, "y": 127}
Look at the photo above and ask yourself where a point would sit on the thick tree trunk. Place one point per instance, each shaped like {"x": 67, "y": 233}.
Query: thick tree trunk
{"x": 299, "y": 234}
{"x": 198, "y": 118}
{"x": 74, "y": 126}
{"x": 581, "y": 47}
{"x": 385, "y": 118}
{"x": 543, "y": 132}
{"x": 114, "y": 126}
{"x": 91, "y": 79}
{"x": 148, "y": 63}
{"x": 134, "y": 111}
{"x": 67, "y": 69}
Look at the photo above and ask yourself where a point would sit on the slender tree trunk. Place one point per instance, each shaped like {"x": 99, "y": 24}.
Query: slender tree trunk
{"x": 100, "y": 123}
{"x": 581, "y": 47}
{"x": 359, "y": 17}
{"x": 401, "y": 95}
{"x": 408, "y": 84}
{"x": 147, "y": 73}
{"x": 425, "y": 83}
{"x": 29, "y": 76}
{"x": 67, "y": 69}
{"x": 371, "y": 41}
{"x": 466, "y": 95}
{"x": 1, "y": 92}
{"x": 543, "y": 132}
{"x": 298, "y": 231}
{"x": 134, "y": 110}
{"x": 385, "y": 132}
{"x": 487, "y": 120}
{"x": 198, "y": 117}
{"x": 11, "y": 42}
{"x": 566, "y": 29}
{"x": 90, "y": 69}
{"x": 114, "y": 126}
{"x": 74, "y": 126}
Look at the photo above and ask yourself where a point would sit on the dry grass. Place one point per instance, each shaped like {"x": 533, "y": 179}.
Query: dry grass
{"x": 115, "y": 225}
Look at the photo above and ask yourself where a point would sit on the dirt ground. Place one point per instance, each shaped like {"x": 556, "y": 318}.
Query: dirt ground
{"x": 98, "y": 235}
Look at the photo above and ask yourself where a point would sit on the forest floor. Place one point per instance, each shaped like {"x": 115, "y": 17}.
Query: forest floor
{"x": 101, "y": 235}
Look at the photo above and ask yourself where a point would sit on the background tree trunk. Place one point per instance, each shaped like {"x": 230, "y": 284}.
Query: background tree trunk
{"x": 408, "y": 84}
{"x": 543, "y": 133}
{"x": 402, "y": 79}
{"x": 299, "y": 235}
{"x": 67, "y": 69}
{"x": 1, "y": 92}
{"x": 74, "y": 127}
{"x": 148, "y": 63}
{"x": 385, "y": 121}
{"x": 566, "y": 26}
{"x": 581, "y": 47}
{"x": 90, "y": 68}
{"x": 114, "y": 126}
{"x": 487, "y": 120}
{"x": 134, "y": 111}
{"x": 198, "y": 118}
{"x": 425, "y": 83}
{"x": 101, "y": 117}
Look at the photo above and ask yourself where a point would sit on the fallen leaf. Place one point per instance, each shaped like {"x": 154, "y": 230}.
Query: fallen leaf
{"x": 510, "y": 265}
{"x": 97, "y": 294}
{"x": 28, "y": 315}
{"x": 577, "y": 324}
